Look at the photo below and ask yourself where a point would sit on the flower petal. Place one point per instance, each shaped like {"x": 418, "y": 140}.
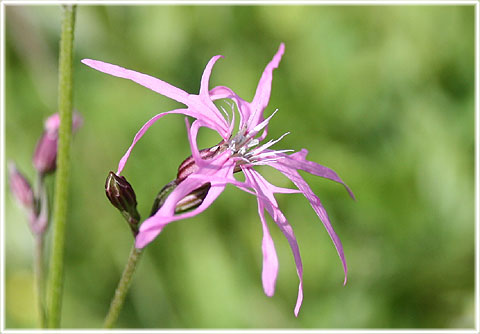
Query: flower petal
{"x": 262, "y": 94}
{"x": 202, "y": 107}
{"x": 192, "y": 139}
{"x": 270, "y": 259}
{"x": 145, "y": 80}
{"x": 205, "y": 96}
{"x": 264, "y": 188}
{"x": 287, "y": 230}
{"x": 206, "y": 76}
{"x": 317, "y": 206}
{"x": 224, "y": 181}
{"x": 144, "y": 129}
{"x": 298, "y": 160}
{"x": 220, "y": 165}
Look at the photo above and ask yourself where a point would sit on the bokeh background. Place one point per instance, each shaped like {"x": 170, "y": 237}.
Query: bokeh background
{"x": 384, "y": 95}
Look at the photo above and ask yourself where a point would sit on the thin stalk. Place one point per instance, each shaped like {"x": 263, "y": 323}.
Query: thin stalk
{"x": 39, "y": 278}
{"x": 65, "y": 83}
{"x": 122, "y": 288}
{"x": 41, "y": 214}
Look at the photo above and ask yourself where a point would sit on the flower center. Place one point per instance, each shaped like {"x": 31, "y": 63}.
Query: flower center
{"x": 245, "y": 147}
{"x": 241, "y": 144}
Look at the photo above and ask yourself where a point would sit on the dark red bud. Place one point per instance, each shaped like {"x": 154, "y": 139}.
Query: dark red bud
{"x": 121, "y": 195}
{"x": 188, "y": 166}
{"x": 189, "y": 202}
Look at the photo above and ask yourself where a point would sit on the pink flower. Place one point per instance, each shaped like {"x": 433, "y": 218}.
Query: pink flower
{"x": 239, "y": 151}
{"x": 35, "y": 208}
{"x": 45, "y": 156}
{"x": 20, "y": 187}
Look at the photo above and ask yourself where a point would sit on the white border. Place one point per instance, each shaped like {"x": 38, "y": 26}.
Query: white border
{"x": 240, "y": 2}
{"x": 2, "y": 166}
{"x": 240, "y": 331}
{"x": 477, "y": 167}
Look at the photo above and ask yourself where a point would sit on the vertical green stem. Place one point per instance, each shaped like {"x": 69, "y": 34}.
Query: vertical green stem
{"x": 65, "y": 83}
{"x": 122, "y": 288}
{"x": 39, "y": 278}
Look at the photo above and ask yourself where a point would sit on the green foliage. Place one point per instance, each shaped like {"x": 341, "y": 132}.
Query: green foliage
{"x": 384, "y": 95}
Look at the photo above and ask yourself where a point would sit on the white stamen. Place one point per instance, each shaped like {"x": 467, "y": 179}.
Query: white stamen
{"x": 244, "y": 147}
{"x": 268, "y": 144}
{"x": 242, "y": 150}
{"x": 264, "y": 162}
{"x": 226, "y": 114}
{"x": 231, "y": 105}
{"x": 253, "y": 143}
{"x": 231, "y": 145}
{"x": 268, "y": 154}
{"x": 263, "y": 124}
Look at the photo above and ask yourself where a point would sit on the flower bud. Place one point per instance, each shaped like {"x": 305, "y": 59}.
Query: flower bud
{"x": 121, "y": 195}
{"x": 193, "y": 200}
{"x": 45, "y": 156}
{"x": 162, "y": 196}
{"x": 188, "y": 166}
{"x": 189, "y": 202}
{"x": 20, "y": 187}
{"x": 52, "y": 124}
{"x": 35, "y": 207}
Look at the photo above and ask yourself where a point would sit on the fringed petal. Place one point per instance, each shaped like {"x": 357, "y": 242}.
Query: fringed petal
{"x": 298, "y": 160}
{"x": 317, "y": 206}
{"x": 264, "y": 88}
{"x": 145, "y": 80}
{"x": 206, "y": 100}
{"x": 144, "y": 129}
{"x": 270, "y": 259}
{"x": 263, "y": 187}
{"x": 200, "y": 106}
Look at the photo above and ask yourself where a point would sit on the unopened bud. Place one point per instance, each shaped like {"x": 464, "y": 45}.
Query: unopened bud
{"x": 188, "y": 166}
{"x": 45, "y": 156}
{"x": 121, "y": 195}
{"x": 20, "y": 187}
{"x": 189, "y": 202}
{"x": 52, "y": 124}
{"x": 36, "y": 208}
{"x": 193, "y": 200}
{"x": 162, "y": 196}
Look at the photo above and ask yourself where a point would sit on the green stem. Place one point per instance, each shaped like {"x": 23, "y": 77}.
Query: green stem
{"x": 39, "y": 278}
{"x": 65, "y": 83}
{"x": 122, "y": 288}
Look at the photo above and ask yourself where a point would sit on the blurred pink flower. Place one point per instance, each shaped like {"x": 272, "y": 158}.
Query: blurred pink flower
{"x": 36, "y": 210}
{"x": 240, "y": 151}
{"x": 45, "y": 156}
{"x": 20, "y": 187}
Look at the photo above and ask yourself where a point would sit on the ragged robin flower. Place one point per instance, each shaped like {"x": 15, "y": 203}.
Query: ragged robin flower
{"x": 240, "y": 150}
{"x": 45, "y": 155}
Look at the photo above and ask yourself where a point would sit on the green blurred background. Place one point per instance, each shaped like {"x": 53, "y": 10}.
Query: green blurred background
{"x": 384, "y": 95}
